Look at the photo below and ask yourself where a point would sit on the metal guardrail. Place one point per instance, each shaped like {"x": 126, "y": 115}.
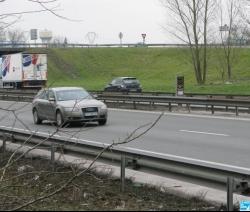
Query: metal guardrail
{"x": 236, "y": 178}
{"x": 33, "y": 92}
{"x": 154, "y": 100}
{"x": 169, "y": 101}
{"x": 187, "y": 94}
{"x": 77, "y": 45}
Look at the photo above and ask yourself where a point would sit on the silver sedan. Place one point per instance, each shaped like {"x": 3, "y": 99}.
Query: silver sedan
{"x": 67, "y": 104}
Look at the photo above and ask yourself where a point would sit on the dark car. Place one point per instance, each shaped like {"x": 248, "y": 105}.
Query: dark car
{"x": 124, "y": 84}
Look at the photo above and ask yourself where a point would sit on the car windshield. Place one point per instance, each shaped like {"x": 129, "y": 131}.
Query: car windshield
{"x": 131, "y": 80}
{"x": 66, "y": 95}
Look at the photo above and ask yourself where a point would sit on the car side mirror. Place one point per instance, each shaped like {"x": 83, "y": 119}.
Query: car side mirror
{"x": 52, "y": 99}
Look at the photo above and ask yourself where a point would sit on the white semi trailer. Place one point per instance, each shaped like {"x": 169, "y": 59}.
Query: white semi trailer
{"x": 24, "y": 70}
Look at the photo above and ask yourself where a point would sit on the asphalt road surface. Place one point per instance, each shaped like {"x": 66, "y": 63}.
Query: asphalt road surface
{"x": 203, "y": 137}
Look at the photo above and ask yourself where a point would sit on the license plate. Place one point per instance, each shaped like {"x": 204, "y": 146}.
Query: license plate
{"x": 90, "y": 114}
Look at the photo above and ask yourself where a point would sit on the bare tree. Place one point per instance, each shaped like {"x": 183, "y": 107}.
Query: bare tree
{"x": 16, "y": 202}
{"x": 232, "y": 31}
{"x": 58, "y": 40}
{"x": 3, "y": 36}
{"x": 16, "y": 36}
{"x": 50, "y": 6}
{"x": 19, "y": 202}
{"x": 191, "y": 26}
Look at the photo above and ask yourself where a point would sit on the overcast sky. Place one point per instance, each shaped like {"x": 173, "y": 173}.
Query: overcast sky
{"x": 104, "y": 17}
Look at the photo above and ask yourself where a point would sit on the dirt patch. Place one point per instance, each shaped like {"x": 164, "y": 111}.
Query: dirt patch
{"x": 29, "y": 179}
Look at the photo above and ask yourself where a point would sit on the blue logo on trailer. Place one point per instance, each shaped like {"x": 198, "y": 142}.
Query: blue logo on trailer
{"x": 27, "y": 59}
{"x": 245, "y": 206}
{"x": 5, "y": 65}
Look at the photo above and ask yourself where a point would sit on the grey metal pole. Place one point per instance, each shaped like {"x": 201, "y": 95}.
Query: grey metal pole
{"x": 237, "y": 111}
{"x": 53, "y": 149}
{"x": 230, "y": 185}
{"x": 4, "y": 144}
{"x": 189, "y": 108}
{"x": 169, "y": 107}
{"x": 123, "y": 164}
{"x": 212, "y": 108}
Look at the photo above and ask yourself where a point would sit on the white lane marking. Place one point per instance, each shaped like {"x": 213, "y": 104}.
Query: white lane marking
{"x": 182, "y": 114}
{"x": 205, "y": 133}
{"x": 189, "y": 159}
{"x": 146, "y": 151}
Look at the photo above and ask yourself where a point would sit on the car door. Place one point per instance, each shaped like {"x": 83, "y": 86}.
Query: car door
{"x": 50, "y": 105}
{"x": 112, "y": 85}
{"x": 41, "y": 104}
{"x": 117, "y": 85}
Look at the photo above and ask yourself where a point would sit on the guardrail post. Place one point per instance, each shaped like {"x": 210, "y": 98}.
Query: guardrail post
{"x": 123, "y": 165}
{"x": 237, "y": 111}
{"x": 169, "y": 107}
{"x": 230, "y": 185}
{"x": 188, "y": 107}
{"x": 151, "y": 105}
{"x": 134, "y": 104}
{"x": 212, "y": 108}
{"x": 52, "y": 158}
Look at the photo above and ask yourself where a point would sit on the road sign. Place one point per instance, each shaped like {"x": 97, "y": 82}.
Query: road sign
{"x": 224, "y": 28}
{"x": 143, "y": 37}
{"x": 33, "y": 34}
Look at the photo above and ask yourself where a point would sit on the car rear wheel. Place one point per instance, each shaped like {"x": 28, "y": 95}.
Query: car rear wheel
{"x": 36, "y": 118}
{"x": 59, "y": 119}
{"x": 102, "y": 122}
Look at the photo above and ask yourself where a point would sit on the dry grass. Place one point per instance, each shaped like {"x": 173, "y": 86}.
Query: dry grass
{"x": 88, "y": 192}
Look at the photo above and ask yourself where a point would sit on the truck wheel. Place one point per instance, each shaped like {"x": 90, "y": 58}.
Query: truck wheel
{"x": 102, "y": 122}
{"x": 59, "y": 119}
{"x": 36, "y": 118}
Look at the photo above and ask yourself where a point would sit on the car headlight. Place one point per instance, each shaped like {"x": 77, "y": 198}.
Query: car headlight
{"x": 72, "y": 109}
{"x": 104, "y": 107}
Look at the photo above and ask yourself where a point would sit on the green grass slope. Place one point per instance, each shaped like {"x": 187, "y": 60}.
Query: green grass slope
{"x": 156, "y": 68}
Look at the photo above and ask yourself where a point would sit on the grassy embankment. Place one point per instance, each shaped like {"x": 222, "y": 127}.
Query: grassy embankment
{"x": 156, "y": 68}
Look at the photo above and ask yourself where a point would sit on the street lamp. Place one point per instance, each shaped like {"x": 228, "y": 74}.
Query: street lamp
{"x": 120, "y": 37}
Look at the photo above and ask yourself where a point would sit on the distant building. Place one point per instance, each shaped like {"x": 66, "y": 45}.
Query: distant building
{"x": 45, "y": 36}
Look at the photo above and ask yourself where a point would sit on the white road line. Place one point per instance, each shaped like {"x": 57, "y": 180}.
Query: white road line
{"x": 205, "y": 133}
{"x": 146, "y": 151}
{"x": 182, "y": 114}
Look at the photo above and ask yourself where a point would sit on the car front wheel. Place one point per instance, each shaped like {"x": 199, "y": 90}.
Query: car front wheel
{"x": 59, "y": 119}
{"x": 36, "y": 118}
{"x": 102, "y": 122}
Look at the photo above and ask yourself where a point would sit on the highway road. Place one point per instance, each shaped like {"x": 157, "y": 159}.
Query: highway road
{"x": 203, "y": 137}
